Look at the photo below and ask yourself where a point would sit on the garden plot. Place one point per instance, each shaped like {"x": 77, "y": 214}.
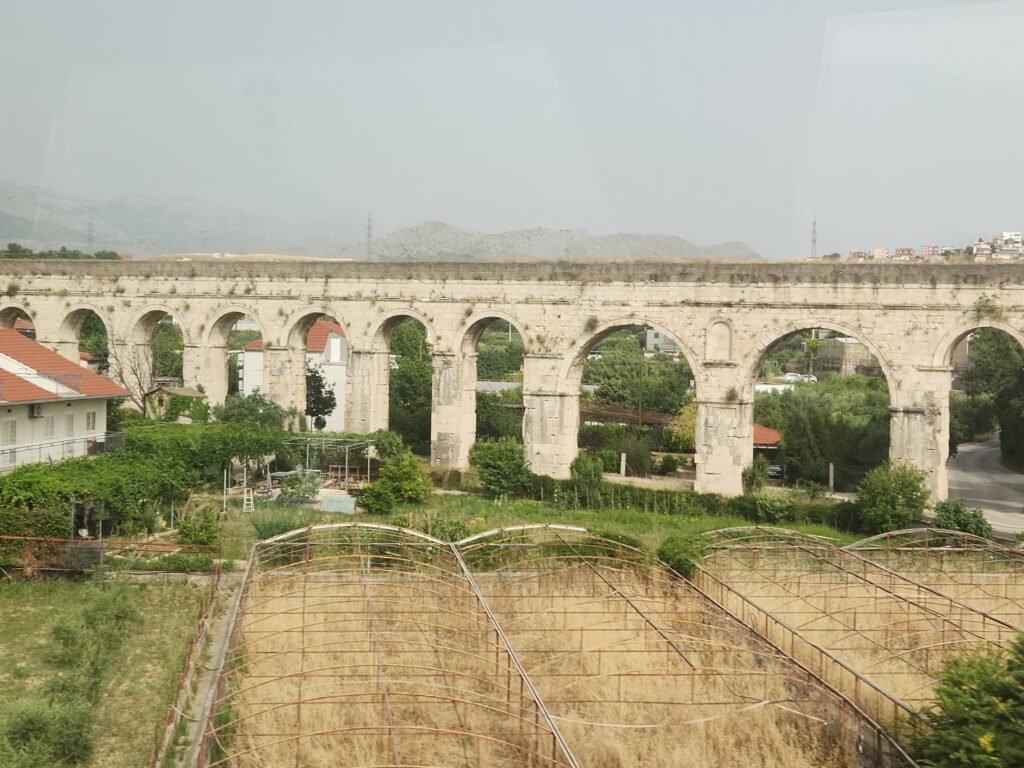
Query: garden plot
{"x": 980, "y": 573}
{"x": 538, "y": 648}
{"x": 889, "y": 635}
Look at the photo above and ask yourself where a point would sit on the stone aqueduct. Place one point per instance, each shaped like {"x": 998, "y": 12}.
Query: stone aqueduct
{"x": 723, "y": 316}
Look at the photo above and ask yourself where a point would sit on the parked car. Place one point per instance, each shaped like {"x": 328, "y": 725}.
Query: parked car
{"x": 774, "y": 471}
{"x": 810, "y": 378}
{"x": 791, "y": 378}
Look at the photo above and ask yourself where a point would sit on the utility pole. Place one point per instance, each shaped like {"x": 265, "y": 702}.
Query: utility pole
{"x": 814, "y": 237}
{"x": 369, "y": 235}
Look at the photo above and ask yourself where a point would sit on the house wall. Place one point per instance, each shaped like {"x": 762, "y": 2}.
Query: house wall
{"x": 34, "y": 444}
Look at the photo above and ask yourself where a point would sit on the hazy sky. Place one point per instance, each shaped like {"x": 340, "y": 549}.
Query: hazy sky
{"x": 898, "y": 122}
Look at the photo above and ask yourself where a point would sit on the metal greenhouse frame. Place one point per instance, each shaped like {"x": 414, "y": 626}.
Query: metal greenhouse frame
{"x": 526, "y": 646}
{"x": 877, "y": 635}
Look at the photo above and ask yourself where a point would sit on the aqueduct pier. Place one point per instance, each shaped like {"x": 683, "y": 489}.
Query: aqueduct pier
{"x": 723, "y": 316}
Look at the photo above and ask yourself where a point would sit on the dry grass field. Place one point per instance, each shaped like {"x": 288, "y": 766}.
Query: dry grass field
{"x": 384, "y": 653}
{"x": 992, "y": 582}
{"x": 640, "y": 672}
{"x": 894, "y": 632}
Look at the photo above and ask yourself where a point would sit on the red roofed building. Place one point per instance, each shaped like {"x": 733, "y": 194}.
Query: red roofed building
{"x": 50, "y": 407}
{"x": 765, "y": 437}
{"x": 326, "y": 348}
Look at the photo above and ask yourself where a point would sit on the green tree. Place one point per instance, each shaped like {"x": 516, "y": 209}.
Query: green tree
{"x": 410, "y": 386}
{"x": 977, "y": 720}
{"x": 167, "y": 348}
{"x": 494, "y": 419}
{"x": 501, "y": 465}
{"x": 892, "y": 497}
{"x": 499, "y": 353}
{"x": 839, "y": 420}
{"x": 92, "y": 337}
{"x": 997, "y": 371}
{"x": 625, "y": 376}
{"x": 954, "y": 515}
{"x": 320, "y": 397}
{"x": 253, "y": 408}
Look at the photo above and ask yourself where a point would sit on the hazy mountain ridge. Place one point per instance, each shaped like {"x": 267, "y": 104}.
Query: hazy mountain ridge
{"x": 434, "y": 240}
{"x": 149, "y": 225}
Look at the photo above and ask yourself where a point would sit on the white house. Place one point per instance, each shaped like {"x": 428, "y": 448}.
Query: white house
{"x": 50, "y": 407}
{"x": 326, "y": 347}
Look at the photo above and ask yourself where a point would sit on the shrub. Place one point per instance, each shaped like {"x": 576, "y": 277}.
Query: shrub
{"x": 770, "y": 508}
{"x": 638, "y": 454}
{"x": 301, "y": 487}
{"x": 501, "y": 465}
{"x": 270, "y": 521}
{"x": 61, "y": 732}
{"x": 976, "y": 718}
{"x": 378, "y": 498}
{"x": 668, "y": 465}
{"x": 755, "y": 476}
{"x": 199, "y": 528}
{"x": 448, "y": 530}
{"x": 609, "y": 460}
{"x": 406, "y": 479}
{"x": 954, "y": 515}
{"x": 587, "y": 471}
{"x": 401, "y": 480}
{"x": 179, "y": 562}
{"x": 681, "y": 554}
{"x": 891, "y": 497}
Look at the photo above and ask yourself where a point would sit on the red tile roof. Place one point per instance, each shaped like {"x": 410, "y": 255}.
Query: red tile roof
{"x": 316, "y": 340}
{"x": 14, "y": 389}
{"x": 763, "y": 436}
{"x": 86, "y": 357}
{"x": 44, "y": 361}
{"x": 21, "y": 324}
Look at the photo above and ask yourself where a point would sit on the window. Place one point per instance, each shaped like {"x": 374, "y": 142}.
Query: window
{"x": 90, "y": 421}
{"x": 49, "y": 426}
{"x": 69, "y": 425}
{"x": 9, "y": 432}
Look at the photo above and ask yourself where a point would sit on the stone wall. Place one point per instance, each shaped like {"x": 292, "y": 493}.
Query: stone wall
{"x": 723, "y": 316}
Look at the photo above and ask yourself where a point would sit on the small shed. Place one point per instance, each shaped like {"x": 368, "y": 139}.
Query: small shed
{"x": 162, "y": 399}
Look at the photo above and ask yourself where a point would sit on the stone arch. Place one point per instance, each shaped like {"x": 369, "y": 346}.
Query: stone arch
{"x": 11, "y": 311}
{"x": 942, "y": 356}
{"x": 298, "y": 324}
{"x": 69, "y": 334}
{"x": 75, "y": 317}
{"x": 572, "y": 367}
{"x": 143, "y": 323}
{"x": 719, "y": 340}
{"x": 474, "y": 325}
{"x": 381, "y": 334}
{"x": 218, "y": 330}
{"x": 751, "y": 364}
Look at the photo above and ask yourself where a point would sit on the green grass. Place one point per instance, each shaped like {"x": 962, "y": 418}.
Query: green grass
{"x": 132, "y": 706}
{"x": 481, "y": 514}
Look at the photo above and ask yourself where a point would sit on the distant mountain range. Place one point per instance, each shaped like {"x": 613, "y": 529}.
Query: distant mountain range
{"x": 436, "y": 241}
{"x": 147, "y": 226}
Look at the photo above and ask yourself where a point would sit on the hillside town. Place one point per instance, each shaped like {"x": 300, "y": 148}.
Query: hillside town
{"x": 1005, "y": 246}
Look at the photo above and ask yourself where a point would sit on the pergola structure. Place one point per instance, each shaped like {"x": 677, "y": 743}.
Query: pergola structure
{"x": 876, "y": 634}
{"x": 526, "y": 646}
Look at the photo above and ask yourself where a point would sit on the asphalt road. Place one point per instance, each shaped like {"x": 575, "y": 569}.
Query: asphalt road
{"x": 977, "y": 477}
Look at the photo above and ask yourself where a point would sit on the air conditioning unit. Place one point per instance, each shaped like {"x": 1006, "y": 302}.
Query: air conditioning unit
{"x": 35, "y": 411}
